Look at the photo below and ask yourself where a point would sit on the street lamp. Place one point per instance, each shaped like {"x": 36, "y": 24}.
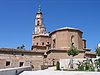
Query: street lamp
{"x": 31, "y": 64}
{"x": 44, "y": 60}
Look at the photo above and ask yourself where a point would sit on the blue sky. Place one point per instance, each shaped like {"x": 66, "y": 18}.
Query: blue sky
{"x": 17, "y": 19}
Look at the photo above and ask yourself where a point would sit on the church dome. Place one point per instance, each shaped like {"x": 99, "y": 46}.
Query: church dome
{"x": 66, "y": 28}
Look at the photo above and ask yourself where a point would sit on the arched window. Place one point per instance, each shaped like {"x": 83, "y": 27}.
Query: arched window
{"x": 42, "y": 43}
{"x": 48, "y": 43}
{"x": 22, "y": 54}
{"x": 72, "y": 41}
{"x": 36, "y": 43}
{"x": 54, "y": 43}
{"x": 38, "y": 22}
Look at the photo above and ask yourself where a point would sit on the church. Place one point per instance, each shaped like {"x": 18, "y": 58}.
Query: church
{"x": 58, "y": 40}
{"x": 46, "y": 49}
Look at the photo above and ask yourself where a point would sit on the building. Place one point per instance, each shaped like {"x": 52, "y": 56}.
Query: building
{"x": 47, "y": 49}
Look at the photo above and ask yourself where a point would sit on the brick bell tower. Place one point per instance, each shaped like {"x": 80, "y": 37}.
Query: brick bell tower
{"x": 39, "y": 27}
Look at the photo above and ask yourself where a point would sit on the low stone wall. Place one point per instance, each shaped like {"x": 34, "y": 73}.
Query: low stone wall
{"x": 44, "y": 67}
{"x": 14, "y": 71}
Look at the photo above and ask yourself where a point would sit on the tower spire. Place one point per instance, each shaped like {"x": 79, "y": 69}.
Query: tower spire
{"x": 39, "y": 27}
{"x": 39, "y": 11}
{"x": 39, "y": 8}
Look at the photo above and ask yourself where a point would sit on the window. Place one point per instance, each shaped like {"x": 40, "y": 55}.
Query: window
{"x": 38, "y": 22}
{"x": 42, "y": 43}
{"x": 48, "y": 45}
{"x": 47, "y": 42}
{"x": 72, "y": 41}
{"x": 7, "y": 63}
{"x": 54, "y": 43}
{"x": 22, "y": 54}
{"x": 21, "y": 64}
{"x": 36, "y": 43}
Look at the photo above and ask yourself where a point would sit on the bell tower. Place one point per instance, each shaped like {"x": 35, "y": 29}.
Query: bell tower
{"x": 40, "y": 30}
{"x": 38, "y": 21}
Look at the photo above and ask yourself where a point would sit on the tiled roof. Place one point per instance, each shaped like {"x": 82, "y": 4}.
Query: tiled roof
{"x": 59, "y": 49}
{"x": 19, "y": 50}
{"x": 66, "y": 28}
{"x": 11, "y": 49}
{"x": 87, "y": 49}
{"x": 87, "y": 52}
{"x": 83, "y": 39}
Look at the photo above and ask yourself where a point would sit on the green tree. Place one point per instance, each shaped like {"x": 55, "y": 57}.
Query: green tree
{"x": 98, "y": 51}
{"x": 18, "y": 47}
{"x": 23, "y": 47}
{"x": 97, "y": 63}
{"x": 80, "y": 66}
{"x": 72, "y": 52}
{"x": 86, "y": 65}
{"x": 57, "y": 65}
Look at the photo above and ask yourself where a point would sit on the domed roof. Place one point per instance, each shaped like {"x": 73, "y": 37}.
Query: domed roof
{"x": 66, "y": 28}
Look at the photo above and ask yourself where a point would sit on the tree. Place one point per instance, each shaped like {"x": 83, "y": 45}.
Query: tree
{"x": 97, "y": 63}
{"x": 86, "y": 65}
{"x": 72, "y": 52}
{"x": 98, "y": 51}
{"x": 80, "y": 66}
{"x": 18, "y": 47}
{"x": 21, "y": 47}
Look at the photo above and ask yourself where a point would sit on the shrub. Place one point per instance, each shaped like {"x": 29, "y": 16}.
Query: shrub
{"x": 57, "y": 65}
{"x": 86, "y": 65}
{"x": 97, "y": 63}
{"x": 80, "y": 66}
{"x": 98, "y": 51}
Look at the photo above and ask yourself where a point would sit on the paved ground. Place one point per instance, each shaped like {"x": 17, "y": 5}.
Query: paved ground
{"x": 51, "y": 71}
